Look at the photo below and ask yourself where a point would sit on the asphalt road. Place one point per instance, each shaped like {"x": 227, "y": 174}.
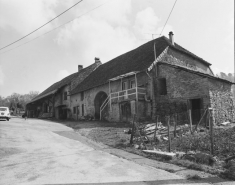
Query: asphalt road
{"x": 32, "y": 153}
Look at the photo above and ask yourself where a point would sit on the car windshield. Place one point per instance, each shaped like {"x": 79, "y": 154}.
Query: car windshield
{"x": 3, "y": 109}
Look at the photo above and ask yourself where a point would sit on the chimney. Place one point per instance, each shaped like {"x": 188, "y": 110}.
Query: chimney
{"x": 97, "y": 60}
{"x": 80, "y": 67}
{"x": 171, "y": 37}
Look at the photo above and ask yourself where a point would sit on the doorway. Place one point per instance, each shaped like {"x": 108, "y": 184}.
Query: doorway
{"x": 99, "y": 100}
{"x": 125, "y": 111}
{"x": 196, "y": 105}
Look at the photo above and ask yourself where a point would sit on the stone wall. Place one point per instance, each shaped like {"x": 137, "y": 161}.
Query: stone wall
{"x": 182, "y": 85}
{"x": 221, "y": 101}
{"x": 59, "y": 100}
{"x": 184, "y": 60}
{"x": 113, "y": 113}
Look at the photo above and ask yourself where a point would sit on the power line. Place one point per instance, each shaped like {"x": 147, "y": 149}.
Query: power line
{"x": 41, "y": 26}
{"x": 54, "y": 28}
{"x": 168, "y": 17}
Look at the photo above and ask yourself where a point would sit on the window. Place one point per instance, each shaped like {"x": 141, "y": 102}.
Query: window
{"x": 162, "y": 86}
{"x": 132, "y": 84}
{"x": 82, "y": 96}
{"x": 3, "y": 109}
{"x": 65, "y": 95}
{"x": 74, "y": 110}
{"x": 124, "y": 85}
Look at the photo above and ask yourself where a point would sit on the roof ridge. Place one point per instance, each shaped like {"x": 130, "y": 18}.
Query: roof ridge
{"x": 62, "y": 82}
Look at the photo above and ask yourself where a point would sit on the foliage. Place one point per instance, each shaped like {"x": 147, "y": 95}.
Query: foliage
{"x": 224, "y": 142}
{"x": 16, "y": 100}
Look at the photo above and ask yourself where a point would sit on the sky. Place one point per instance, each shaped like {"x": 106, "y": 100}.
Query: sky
{"x": 104, "y": 29}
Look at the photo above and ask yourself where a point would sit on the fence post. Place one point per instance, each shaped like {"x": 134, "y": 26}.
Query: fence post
{"x": 200, "y": 120}
{"x": 154, "y": 137}
{"x": 211, "y": 130}
{"x": 132, "y": 130}
{"x": 190, "y": 119}
{"x": 175, "y": 124}
{"x": 169, "y": 138}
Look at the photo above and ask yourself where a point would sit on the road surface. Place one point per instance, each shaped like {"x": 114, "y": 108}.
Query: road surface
{"x": 33, "y": 153}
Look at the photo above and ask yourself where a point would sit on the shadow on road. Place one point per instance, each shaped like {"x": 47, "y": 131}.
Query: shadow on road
{"x": 91, "y": 124}
{"x": 156, "y": 182}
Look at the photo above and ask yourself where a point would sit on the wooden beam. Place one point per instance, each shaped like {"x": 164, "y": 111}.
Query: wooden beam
{"x": 136, "y": 86}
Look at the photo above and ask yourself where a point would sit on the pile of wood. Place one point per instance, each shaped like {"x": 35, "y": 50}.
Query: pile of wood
{"x": 155, "y": 131}
{"x": 158, "y": 132}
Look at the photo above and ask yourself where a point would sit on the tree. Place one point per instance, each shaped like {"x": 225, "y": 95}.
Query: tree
{"x": 16, "y": 100}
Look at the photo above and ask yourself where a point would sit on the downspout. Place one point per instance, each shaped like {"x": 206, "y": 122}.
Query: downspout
{"x": 153, "y": 89}
{"x": 145, "y": 96}
{"x": 110, "y": 97}
{"x": 151, "y": 95}
{"x": 137, "y": 101}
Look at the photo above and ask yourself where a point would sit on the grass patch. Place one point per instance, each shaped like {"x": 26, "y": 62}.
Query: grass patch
{"x": 113, "y": 135}
{"x": 193, "y": 177}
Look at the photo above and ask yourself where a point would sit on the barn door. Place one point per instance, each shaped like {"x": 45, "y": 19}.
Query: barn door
{"x": 126, "y": 112}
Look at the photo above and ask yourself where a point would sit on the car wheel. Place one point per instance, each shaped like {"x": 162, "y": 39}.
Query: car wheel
{"x": 7, "y": 119}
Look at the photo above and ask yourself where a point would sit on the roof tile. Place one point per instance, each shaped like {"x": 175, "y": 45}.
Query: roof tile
{"x": 138, "y": 59}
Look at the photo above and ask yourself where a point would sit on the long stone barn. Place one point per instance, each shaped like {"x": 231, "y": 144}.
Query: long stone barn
{"x": 55, "y": 102}
{"x": 158, "y": 78}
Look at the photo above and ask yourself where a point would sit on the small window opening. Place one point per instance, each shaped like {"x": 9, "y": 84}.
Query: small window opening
{"x": 65, "y": 95}
{"x": 162, "y": 86}
{"x": 124, "y": 85}
{"x": 78, "y": 110}
{"x": 132, "y": 84}
{"x": 82, "y": 96}
{"x": 74, "y": 110}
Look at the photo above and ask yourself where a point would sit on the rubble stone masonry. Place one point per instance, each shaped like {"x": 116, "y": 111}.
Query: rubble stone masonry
{"x": 221, "y": 101}
{"x": 181, "y": 86}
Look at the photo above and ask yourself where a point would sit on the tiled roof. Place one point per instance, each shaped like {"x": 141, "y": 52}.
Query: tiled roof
{"x": 138, "y": 59}
{"x": 77, "y": 77}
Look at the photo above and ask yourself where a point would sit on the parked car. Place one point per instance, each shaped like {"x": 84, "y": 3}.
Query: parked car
{"x": 5, "y": 113}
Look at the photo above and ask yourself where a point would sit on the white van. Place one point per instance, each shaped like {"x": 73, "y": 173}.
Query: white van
{"x": 5, "y": 113}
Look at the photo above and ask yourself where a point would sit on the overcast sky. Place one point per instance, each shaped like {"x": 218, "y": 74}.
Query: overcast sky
{"x": 204, "y": 27}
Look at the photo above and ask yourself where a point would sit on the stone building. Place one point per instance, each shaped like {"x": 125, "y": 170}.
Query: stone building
{"x": 55, "y": 100}
{"x": 157, "y": 78}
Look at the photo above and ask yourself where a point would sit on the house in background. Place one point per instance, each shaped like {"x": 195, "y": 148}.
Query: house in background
{"x": 55, "y": 100}
{"x": 157, "y": 78}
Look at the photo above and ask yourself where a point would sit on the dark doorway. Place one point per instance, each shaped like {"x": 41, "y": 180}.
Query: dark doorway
{"x": 99, "y": 100}
{"x": 62, "y": 113}
{"x": 125, "y": 112}
{"x": 78, "y": 111}
{"x": 196, "y": 105}
{"x": 82, "y": 109}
